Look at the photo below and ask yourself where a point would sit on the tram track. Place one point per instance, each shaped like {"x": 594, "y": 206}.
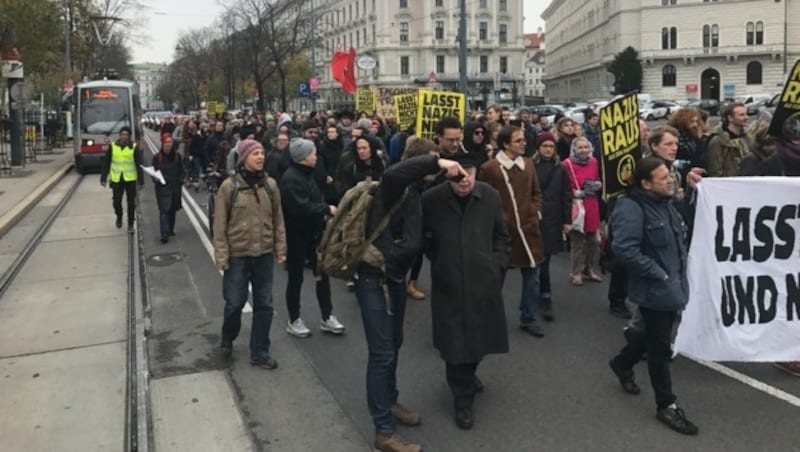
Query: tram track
{"x": 137, "y": 413}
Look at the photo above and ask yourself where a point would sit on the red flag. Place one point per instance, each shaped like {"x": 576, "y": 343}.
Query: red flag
{"x": 343, "y": 70}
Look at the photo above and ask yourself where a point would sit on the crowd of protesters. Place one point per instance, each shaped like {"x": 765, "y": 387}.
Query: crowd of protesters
{"x": 512, "y": 185}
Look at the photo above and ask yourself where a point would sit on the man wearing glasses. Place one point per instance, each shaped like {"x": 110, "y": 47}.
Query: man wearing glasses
{"x": 448, "y": 135}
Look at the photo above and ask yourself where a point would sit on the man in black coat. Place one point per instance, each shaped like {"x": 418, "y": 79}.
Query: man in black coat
{"x": 469, "y": 246}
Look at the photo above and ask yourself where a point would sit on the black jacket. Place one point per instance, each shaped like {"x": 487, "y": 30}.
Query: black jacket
{"x": 277, "y": 163}
{"x": 556, "y": 202}
{"x": 212, "y": 143}
{"x": 304, "y": 208}
{"x": 137, "y": 158}
{"x": 401, "y": 242}
{"x": 168, "y": 196}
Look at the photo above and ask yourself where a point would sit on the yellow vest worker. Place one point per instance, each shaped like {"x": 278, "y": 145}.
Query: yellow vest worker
{"x": 122, "y": 169}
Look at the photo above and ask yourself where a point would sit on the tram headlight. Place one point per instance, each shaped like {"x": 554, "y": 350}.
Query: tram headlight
{"x": 89, "y": 142}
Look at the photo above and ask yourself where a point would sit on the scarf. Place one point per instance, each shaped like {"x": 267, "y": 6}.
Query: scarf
{"x": 252, "y": 179}
{"x": 575, "y": 157}
{"x": 789, "y": 153}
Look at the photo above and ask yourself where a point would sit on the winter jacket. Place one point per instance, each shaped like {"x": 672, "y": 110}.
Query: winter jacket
{"x": 255, "y": 226}
{"x": 556, "y": 202}
{"x": 168, "y": 196}
{"x": 578, "y": 176}
{"x": 277, "y": 162}
{"x": 522, "y": 206}
{"x": 649, "y": 239}
{"x": 725, "y": 154}
{"x": 304, "y": 208}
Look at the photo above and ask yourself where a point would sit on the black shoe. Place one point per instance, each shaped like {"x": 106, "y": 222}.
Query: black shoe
{"x": 172, "y": 233}
{"x": 226, "y": 350}
{"x": 464, "y": 418}
{"x": 547, "y": 311}
{"x": 119, "y": 223}
{"x": 269, "y": 364}
{"x": 534, "y": 330}
{"x": 626, "y": 379}
{"x": 478, "y": 385}
{"x": 164, "y": 239}
{"x": 620, "y": 311}
{"x": 675, "y": 419}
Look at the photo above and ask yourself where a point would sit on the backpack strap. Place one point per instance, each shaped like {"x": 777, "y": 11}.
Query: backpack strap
{"x": 235, "y": 193}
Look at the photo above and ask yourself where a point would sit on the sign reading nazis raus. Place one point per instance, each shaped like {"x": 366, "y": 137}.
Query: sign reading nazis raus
{"x": 619, "y": 132}
{"x": 789, "y": 103}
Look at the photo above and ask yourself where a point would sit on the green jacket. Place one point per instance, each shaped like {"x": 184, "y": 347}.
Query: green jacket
{"x": 725, "y": 153}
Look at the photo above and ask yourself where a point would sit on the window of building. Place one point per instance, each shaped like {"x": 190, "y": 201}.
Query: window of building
{"x": 357, "y": 15}
{"x": 403, "y": 31}
{"x": 754, "y": 70}
{"x": 350, "y": 12}
{"x": 668, "y": 77}
{"x": 439, "y": 29}
{"x": 483, "y": 4}
{"x": 439, "y": 3}
{"x": 403, "y": 3}
{"x": 483, "y": 31}
{"x": 404, "y": 70}
{"x": 669, "y": 2}
{"x": 502, "y": 5}
{"x": 669, "y": 38}
{"x": 358, "y": 40}
{"x": 711, "y": 35}
{"x": 484, "y": 63}
{"x": 502, "y": 35}
{"x": 440, "y": 64}
{"x": 710, "y": 1}
{"x": 503, "y": 64}
{"x": 751, "y": 33}
{"x": 759, "y": 32}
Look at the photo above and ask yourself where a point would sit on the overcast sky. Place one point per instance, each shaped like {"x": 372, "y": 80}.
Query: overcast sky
{"x": 164, "y": 21}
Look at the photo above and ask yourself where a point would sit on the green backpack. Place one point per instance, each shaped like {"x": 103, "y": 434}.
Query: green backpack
{"x": 344, "y": 243}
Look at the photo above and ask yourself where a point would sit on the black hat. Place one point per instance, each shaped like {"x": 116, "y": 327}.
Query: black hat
{"x": 465, "y": 159}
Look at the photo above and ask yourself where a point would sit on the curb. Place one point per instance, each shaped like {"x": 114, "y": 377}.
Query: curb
{"x": 15, "y": 214}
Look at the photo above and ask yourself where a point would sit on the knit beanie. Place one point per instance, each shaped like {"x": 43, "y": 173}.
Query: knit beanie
{"x": 365, "y": 123}
{"x": 300, "y": 148}
{"x": 245, "y": 147}
{"x": 545, "y": 136}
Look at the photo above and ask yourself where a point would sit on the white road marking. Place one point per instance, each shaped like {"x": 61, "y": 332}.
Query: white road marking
{"x": 196, "y": 217}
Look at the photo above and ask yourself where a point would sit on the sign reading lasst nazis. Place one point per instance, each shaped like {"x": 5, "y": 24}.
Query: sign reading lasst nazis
{"x": 789, "y": 103}
{"x": 619, "y": 133}
{"x": 435, "y": 105}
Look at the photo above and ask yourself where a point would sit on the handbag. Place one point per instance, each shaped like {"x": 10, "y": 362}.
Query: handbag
{"x": 578, "y": 209}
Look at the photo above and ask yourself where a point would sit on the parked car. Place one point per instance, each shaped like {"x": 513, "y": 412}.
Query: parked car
{"x": 576, "y": 114}
{"x": 771, "y": 104}
{"x": 550, "y": 111}
{"x": 657, "y": 110}
{"x": 710, "y": 105}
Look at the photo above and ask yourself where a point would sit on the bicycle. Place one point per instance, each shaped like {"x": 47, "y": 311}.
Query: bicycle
{"x": 212, "y": 184}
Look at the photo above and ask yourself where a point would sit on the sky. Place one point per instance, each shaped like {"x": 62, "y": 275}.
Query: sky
{"x": 164, "y": 21}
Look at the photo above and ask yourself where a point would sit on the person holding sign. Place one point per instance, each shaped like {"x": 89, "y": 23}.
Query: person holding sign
{"x": 649, "y": 241}
{"x": 584, "y": 178}
{"x": 168, "y": 194}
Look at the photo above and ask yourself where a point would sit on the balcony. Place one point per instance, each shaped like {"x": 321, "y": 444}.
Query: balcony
{"x": 728, "y": 52}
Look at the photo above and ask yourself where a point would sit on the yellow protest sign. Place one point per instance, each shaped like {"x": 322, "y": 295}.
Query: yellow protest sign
{"x": 385, "y": 100}
{"x": 220, "y": 108}
{"x": 619, "y": 138}
{"x": 435, "y": 105}
{"x": 211, "y": 108}
{"x": 789, "y": 104}
{"x": 405, "y": 110}
{"x": 365, "y": 101}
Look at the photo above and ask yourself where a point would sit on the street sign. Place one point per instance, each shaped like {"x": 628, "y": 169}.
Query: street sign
{"x": 303, "y": 90}
{"x": 729, "y": 90}
{"x": 313, "y": 83}
{"x": 366, "y": 62}
{"x": 12, "y": 69}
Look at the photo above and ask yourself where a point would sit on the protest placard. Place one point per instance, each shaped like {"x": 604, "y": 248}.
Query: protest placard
{"x": 365, "y": 101}
{"x": 435, "y": 105}
{"x": 405, "y": 106}
{"x": 744, "y": 272}
{"x": 619, "y": 141}
{"x": 385, "y": 100}
{"x": 789, "y": 103}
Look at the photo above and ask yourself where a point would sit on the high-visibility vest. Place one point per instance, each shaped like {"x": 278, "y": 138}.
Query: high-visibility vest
{"x": 123, "y": 164}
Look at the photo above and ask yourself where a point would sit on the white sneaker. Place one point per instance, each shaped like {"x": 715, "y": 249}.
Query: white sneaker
{"x": 298, "y": 328}
{"x": 332, "y": 325}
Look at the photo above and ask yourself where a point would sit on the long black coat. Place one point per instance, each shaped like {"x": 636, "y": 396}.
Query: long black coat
{"x": 556, "y": 204}
{"x": 468, "y": 253}
{"x": 171, "y": 166}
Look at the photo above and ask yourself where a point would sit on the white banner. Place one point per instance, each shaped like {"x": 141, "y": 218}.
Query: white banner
{"x": 744, "y": 272}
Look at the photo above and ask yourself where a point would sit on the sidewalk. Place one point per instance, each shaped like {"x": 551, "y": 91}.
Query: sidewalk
{"x": 22, "y": 189}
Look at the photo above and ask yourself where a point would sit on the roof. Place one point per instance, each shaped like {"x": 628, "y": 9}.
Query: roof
{"x": 534, "y": 40}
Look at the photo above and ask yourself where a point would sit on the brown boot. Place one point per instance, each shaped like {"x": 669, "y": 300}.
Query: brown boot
{"x": 390, "y": 442}
{"x": 405, "y": 416}
{"x": 413, "y": 291}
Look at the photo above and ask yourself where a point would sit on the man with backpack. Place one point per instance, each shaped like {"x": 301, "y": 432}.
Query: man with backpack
{"x": 376, "y": 236}
{"x": 249, "y": 234}
{"x": 305, "y": 210}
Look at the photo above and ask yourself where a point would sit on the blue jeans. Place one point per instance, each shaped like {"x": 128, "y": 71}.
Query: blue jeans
{"x": 198, "y": 166}
{"x": 384, "y": 333}
{"x": 258, "y": 272}
{"x": 529, "y": 301}
{"x": 544, "y": 279}
{"x": 167, "y": 220}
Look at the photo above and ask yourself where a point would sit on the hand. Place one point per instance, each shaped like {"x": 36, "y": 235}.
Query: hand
{"x": 281, "y": 259}
{"x": 679, "y": 193}
{"x": 223, "y": 266}
{"x": 333, "y": 210}
{"x": 452, "y": 168}
{"x": 694, "y": 176}
{"x": 567, "y": 228}
{"x": 328, "y": 180}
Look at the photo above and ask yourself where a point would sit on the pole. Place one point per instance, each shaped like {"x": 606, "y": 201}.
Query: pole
{"x": 68, "y": 38}
{"x": 785, "y": 36}
{"x": 462, "y": 48}
{"x": 313, "y": 57}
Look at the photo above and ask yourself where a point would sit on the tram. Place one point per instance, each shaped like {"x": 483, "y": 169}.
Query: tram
{"x": 103, "y": 107}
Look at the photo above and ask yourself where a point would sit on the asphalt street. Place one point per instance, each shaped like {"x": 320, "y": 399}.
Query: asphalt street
{"x": 550, "y": 394}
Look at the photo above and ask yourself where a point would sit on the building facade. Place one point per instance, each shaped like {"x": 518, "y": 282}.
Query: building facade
{"x": 149, "y": 76}
{"x": 688, "y": 48}
{"x": 412, "y": 39}
{"x": 534, "y": 68}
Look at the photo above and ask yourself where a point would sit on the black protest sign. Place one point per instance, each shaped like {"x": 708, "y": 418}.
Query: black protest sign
{"x": 789, "y": 102}
{"x": 619, "y": 133}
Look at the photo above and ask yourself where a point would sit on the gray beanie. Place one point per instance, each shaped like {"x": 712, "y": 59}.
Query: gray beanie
{"x": 365, "y": 123}
{"x": 300, "y": 148}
